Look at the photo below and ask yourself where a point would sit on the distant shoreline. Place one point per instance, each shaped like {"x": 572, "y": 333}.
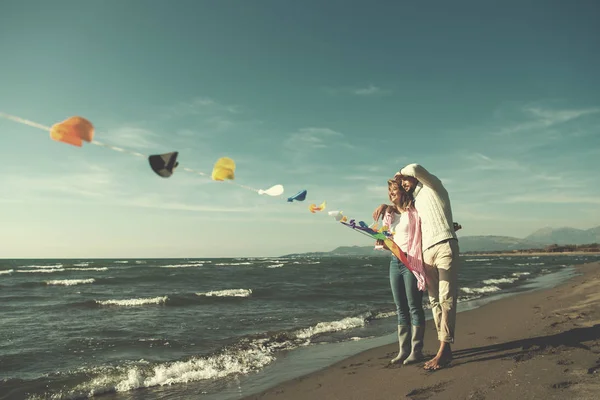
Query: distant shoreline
{"x": 537, "y": 253}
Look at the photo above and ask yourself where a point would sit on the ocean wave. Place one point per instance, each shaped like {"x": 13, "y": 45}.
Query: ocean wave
{"x": 485, "y": 289}
{"x": 499, "y": 281}
{"x": 181, "y": 265}
{"x": 275, "y": 265}
{"x": 246, "y": 356}
{"x": 70, "y": 282}
{"x": 7, "y": 271}
{"x": 87, "y": 269}
{"x": 529, "y": 264}
{"x": 478, "y": 259}
{"x": 133, "y": 302}
{"x": 41, "y": 271}
{"x": 385, "y": 314}
{"x": 227, "y": 293}
{"x": 239, "y": 263}
{"x": 142, "y": 374}
{"x": 332, "y": 326}
{"x": 43, "y": 266}
{"x": 85, "y": 264}
{"x": 519, "y": 274}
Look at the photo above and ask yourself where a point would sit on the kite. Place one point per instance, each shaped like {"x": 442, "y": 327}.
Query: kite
{"x": 223, "y": 169}
{"x": 163, "y": 164}
{"x": 314, "y": 208}
{"x": 276, "y": 190}
{"x": 73, "y": 131}
{"x": 300, "y": 196}
{"x": 338, "y": 215}
{"x": 373, "y": 233}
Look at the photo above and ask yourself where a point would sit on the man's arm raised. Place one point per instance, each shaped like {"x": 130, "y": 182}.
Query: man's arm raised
{"x": 422, "y": 175}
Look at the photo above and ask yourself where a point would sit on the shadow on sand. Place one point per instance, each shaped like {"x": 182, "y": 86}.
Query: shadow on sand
{"x": 524, "y": 349}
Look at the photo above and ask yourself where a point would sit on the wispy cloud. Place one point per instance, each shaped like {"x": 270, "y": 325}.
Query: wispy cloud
{"x": 313, "y": 138}
{"x": 552, "y": 198}
{"x": 371, "y": 90}
{"x": 131, "y": 137}
{"x": 540, "y": 118}
{"x": 365, "y": 91}
{"x": 206, "y": 117}
{"x": 483, "y": 162}
{"x": 199, "y": 106}
{"x": 95, "y": 184}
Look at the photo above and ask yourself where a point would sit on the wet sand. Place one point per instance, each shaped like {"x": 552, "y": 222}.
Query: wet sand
{"x": 538, "y": 345}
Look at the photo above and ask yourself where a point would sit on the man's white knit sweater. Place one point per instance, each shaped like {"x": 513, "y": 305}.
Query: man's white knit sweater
{"x": 433, "y": 205}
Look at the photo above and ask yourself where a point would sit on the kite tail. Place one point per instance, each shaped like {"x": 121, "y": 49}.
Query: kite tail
{"x": 24, "y": 121}
{"x": 119, "y": 149}
{"x": 243, "y": 186}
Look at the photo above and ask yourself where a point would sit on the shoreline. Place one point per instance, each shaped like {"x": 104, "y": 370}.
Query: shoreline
{"x": 533, "y": 254}
{"x": 527, "y": 345}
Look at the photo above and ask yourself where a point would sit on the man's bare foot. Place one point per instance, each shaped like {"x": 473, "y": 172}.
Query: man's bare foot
{"x": 442, "y": 358}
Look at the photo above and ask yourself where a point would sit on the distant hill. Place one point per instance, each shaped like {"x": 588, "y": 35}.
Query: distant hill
{"x": 495, "y": 243}
{"x": 565, "y": 236}
{"x": 344, "y": 251}
{"x": 537, "y": 240}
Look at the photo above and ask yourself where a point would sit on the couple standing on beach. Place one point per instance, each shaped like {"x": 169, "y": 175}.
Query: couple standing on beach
{"x": 421, "y": 218}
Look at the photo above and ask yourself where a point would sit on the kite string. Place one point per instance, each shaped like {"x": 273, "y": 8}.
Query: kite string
{"x": 24, "y": 121}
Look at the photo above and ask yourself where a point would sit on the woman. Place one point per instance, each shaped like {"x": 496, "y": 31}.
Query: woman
{"x": 407, "y": 286}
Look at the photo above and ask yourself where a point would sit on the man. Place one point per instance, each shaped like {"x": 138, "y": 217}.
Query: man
{"x": 440, "y": 253}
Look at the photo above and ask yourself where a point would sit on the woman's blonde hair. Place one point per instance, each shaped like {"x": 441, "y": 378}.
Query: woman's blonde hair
{"x": 404, "y": 200}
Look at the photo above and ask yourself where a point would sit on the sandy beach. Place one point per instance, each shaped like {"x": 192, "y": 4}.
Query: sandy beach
{"x": 537, "y": 345}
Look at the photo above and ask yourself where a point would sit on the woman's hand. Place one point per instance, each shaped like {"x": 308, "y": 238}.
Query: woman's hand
{"x": 379, "y": 211}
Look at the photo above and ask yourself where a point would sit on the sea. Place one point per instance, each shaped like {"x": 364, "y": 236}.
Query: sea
{"x": 214, "y": 329}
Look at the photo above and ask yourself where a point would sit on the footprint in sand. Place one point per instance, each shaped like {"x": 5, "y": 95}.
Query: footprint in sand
{"x": 563, "y": 385}
{"x": 426, "y": 392}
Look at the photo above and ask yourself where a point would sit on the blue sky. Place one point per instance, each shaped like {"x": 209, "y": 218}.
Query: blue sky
{"x": 501, "y": 100}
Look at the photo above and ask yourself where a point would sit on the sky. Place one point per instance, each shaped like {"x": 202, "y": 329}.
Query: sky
{"x": 500, "y": 100}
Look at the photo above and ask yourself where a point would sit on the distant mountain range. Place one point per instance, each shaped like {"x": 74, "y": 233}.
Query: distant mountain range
{"x": 537, "y": 240}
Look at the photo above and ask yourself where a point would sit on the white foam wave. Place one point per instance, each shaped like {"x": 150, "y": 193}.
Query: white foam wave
{"x": 275, "y": 266}
{"x": 142, "y": 375}
{"x": 85, "y": 264}
{"x": 499, "y": 281}
{"x": 6, "y": 272}
{"x": 240, "y": 263}
{"x": 42, "y": 271}
{"x": 88, "y": 269}
{"x": 227, "y": 293}
{"x": 485, "y": 289}
{"x": 333, "y": 326}
{"x": 181, "y": 265}
{"x": 518, "y": 274}
{"x": 43, "y": 266}
{"x": 121, "y": 262}
{"x": 133, "y": 302}
{"x": 530, "y": 264}
{"x": 478, "y": 259}
{"x": 70, "y": 282}
{"x": 387, "y": 314}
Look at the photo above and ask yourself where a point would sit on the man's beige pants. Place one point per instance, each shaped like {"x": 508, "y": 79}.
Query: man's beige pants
{"x": 441, "y": 263}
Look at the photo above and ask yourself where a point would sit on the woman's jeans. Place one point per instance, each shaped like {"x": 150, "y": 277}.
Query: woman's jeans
{"x": 408, "y": 298}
